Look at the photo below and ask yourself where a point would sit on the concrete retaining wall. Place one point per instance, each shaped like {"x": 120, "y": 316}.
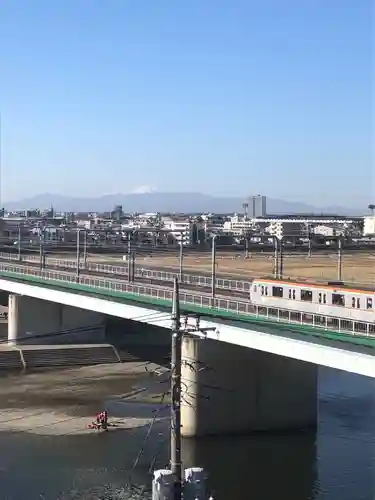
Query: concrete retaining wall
{"x": 57, "y": 356}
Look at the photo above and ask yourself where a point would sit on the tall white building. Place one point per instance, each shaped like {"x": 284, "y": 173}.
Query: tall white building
{"x": 182, "y": 230}
{"x": 369, "y": 225}
{"x": 238, "y": 225}
{"x": 257, "y": 206}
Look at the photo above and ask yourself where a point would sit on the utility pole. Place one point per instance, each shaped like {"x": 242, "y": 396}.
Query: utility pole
{"x": 129, "y": 258}
{"x": 181, "y": 256}
{"x": 213, "y": 271}
{"x": 276, "y": 258}
{"x": 133, "y": 265}
{"x": 19, "y": 243}
{"x": 246, "y": 245}
{"x": 176, "y": 465}
{"x": 41, "y": 249}
{"x": 78, "y": 254}
{"x": 169, "y": 484}
{"x": 281, "y": 253}
{"x": 85, "y": 249}
{"x": 339, "y": 260}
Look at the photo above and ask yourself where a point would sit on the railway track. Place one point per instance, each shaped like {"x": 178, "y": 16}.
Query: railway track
{"x": 234, "y": 285}
{"x": 283, "y": 315}
{"x": 206, "y": 290}
{"x": 173, "y": 269}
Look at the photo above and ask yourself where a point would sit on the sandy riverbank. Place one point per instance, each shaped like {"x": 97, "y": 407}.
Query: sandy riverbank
{"x": 62, "y": 402}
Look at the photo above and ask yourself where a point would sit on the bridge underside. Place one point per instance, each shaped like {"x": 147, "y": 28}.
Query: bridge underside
{"x": 231, "y": 389}
{"x": 34, "y": 321}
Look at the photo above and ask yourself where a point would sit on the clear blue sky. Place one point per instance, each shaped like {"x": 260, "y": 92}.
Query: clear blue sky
{"x": 224, "y": 97}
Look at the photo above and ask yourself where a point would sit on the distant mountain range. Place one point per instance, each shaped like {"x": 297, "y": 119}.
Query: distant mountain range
{"x": 169, "y": 202}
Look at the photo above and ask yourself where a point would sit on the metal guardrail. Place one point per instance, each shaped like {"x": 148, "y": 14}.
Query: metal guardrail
{"x": 206, "y": 301}
{"x": 188, "y": 279}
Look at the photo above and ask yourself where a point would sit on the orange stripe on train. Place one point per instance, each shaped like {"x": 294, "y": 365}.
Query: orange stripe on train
{"x": 313, "y": 285}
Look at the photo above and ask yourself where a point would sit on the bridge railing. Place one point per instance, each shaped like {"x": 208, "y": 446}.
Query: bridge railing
{"x": 152, "y": 274}
{"x": 186, "y": 297}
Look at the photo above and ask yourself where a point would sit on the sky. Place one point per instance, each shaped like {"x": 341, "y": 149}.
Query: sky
{"x": 224, "y": 97}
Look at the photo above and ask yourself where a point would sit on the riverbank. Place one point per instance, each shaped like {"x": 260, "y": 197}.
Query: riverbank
{"x": 61, "y": 402}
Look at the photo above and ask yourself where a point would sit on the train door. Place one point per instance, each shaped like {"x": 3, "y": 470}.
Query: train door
{"x": 356, "y": 302}
{"x": 322, "y": 298}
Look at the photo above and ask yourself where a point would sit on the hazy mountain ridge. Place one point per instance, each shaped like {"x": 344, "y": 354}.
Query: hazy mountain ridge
{"x": 169, "y": 202}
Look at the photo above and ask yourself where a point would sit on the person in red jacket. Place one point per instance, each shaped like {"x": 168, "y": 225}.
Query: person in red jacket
{"x": 101, "y": 421}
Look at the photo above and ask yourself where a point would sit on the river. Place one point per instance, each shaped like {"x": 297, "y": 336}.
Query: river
{"x": 47, "y": 452}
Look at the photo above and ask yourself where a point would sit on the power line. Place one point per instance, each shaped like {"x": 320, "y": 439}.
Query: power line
{"x": 129, "y": 485}
{"x": 154, "y": 317}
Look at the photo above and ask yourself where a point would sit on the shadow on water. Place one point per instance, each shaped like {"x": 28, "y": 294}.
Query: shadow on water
{"x": 346, "y": 438}
{"x": 336, "y": 463}
{"x": 53, "y": 467}
{"x": 262, "y": 466}
{"x": 77, "y": 465}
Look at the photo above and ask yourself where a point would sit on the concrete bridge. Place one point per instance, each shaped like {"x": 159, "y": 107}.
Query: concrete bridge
{"x": 252, "y": 370}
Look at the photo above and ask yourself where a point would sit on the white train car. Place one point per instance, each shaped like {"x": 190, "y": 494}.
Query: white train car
{"x": 337, "y": 301}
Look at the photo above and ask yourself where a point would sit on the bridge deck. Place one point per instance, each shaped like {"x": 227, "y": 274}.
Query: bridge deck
{"x": 232, "y": 311}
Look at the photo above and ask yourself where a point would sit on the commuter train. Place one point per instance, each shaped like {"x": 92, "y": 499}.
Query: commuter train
{"x": 336, "y": 300}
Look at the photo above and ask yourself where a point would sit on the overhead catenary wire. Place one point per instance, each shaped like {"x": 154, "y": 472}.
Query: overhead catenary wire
{"x": 152, "y": 316}
{"x": 129, "y": 484}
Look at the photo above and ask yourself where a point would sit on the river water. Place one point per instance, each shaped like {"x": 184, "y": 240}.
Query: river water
{"x": 45, "y": 455}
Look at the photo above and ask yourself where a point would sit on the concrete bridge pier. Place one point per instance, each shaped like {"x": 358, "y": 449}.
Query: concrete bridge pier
{"x": 228, "y": 389}
{"x": 13, "y": 319}
{"x": 30, "y": 318}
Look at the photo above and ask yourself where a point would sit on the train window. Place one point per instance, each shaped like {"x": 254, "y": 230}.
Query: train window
{"x": 358, "y": 303}
{"x": 294, "y": 295}
{"x": 306, "y": 295}
{"x": 290, "y": 293}
{"x": 338, "y": 299}
{"x": 353, "y": 302}
{"x": 277, "y": 291}
{"x": 369, "y": 303}
{"x": 325, "y": 298}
